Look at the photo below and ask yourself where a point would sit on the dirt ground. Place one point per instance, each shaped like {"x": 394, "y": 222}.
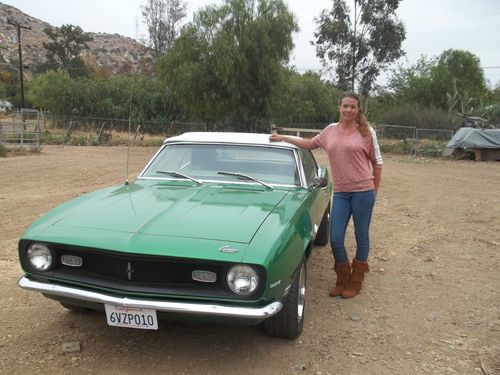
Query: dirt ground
{"x": 430, "y": 305}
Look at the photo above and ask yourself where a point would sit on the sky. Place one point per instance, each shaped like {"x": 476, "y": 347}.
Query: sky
{"x": 432, "y": 26}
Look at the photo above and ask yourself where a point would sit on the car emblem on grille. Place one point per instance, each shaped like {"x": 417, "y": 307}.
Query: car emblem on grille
{"x": 228, "y": 249}
{"x": 129, "y": 270}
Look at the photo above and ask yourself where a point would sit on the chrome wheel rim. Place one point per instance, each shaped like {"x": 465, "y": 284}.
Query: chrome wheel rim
{"x": 301, "y": 300}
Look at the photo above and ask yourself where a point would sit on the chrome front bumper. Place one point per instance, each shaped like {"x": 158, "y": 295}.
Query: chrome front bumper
{"x": 160, "y": 306}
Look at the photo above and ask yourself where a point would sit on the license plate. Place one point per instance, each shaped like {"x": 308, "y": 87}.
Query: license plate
{"x": 130, "y": 317}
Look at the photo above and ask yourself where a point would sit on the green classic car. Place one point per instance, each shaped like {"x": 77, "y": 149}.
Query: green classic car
{"x": 218, "y": 227}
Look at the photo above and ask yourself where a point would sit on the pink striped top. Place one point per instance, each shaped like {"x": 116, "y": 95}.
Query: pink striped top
{"x": 352, "y": 157}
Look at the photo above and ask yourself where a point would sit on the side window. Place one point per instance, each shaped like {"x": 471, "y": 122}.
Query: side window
{"x": 310, "y": 167}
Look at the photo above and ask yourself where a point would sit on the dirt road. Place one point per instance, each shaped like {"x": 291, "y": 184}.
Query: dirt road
{"x": 430, "y": 305}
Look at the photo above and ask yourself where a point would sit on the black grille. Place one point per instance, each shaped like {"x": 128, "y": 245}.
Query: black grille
{"x": 142, "y": 269}
{"x": 139, "y": 269}
{"x": 133, "y": 273}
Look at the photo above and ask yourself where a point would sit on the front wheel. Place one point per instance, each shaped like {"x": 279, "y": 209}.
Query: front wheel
{"x": 289, "y": 322}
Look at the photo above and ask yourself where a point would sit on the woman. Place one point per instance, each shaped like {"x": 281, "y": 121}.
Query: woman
{"x": 356, "y": 166}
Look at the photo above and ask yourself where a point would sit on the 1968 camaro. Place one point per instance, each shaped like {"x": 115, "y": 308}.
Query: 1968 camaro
{"x": 218, "y": 227}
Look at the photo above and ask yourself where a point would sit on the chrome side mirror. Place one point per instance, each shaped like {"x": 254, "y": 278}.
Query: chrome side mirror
{"x": 318, "y": 182}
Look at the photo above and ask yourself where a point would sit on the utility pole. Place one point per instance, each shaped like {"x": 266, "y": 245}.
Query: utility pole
{"x": 19, "y": 27}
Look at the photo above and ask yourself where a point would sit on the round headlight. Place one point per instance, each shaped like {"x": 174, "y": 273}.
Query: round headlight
{"x": 39, "y": 257}
{"x": 242, "y": 280}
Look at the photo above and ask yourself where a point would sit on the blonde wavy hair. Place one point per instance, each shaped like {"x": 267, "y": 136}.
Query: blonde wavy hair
{"x": 363, "y": 124}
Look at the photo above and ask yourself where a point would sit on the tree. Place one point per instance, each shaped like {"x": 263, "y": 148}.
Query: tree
{"x": 305, "y": 99}
{"x": 453, "y": 79}
{"x": 5, "y": 80}
{"x": 226, "y": 65}
{"x": 162, "y": 18}
{"x": 53, "y": 91}
{"x": 65, "y": 49}
{"x": 9, "y": 86}
{"x": 458, "y": 71}
{"x": 138, "y": 96}
{"x": 413, "y": 84}
{"x": 360, "y": 44}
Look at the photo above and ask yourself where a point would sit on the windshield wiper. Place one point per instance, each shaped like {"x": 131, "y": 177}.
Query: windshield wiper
{"x": 245, "y": 177}
{"x": 177, "y": 174}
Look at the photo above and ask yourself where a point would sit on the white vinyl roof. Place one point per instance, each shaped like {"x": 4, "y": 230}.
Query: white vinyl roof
{"x": 226, "y": 137}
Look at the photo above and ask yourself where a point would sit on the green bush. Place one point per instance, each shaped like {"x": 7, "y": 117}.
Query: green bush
{"x": 403, "y": 147}
{"x": 412, "y": 115}
{"x": 47, "y": 137}
{"x": 425, "y": 148}
{"x": 3, "y": 151}
{"x": 431, "y": 149}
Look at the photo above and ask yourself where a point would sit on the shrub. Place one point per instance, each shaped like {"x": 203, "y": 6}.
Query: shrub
{"x": 431, "y": 149}
{"x": 3, "y": 151}
{"x": 403, "y": 147}
{"x": 424, "y": 148}
{"x": 412, "y": 115}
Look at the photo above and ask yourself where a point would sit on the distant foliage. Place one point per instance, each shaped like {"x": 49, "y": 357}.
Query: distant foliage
{"x": 162, "y": 18}
{"x": 459, "y": 71}
{"x": 407, "y": 114}
{"x": 358, "y": 43}
{"x": 140, "y": 97}
{"x": 305, "y": 99}
{"x": 65, "y": 48}
{"x": 492, "y": 114}
{"x": 434, "y": 81}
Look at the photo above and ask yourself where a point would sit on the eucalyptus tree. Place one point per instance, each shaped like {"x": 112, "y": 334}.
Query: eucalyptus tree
{"x": 227, "y": 63}
{"x": 358, "y": 43}
{"x": 163, "y": 18}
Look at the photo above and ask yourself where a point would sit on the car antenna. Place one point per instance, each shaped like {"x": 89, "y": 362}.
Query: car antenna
{"x": 128, "y": 143}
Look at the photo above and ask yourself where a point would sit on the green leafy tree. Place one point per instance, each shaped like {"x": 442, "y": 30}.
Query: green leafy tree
{"x": 453, "y": 80}
{"x": 359, "y": 43}
{"x": 458, "y": 71}
{"x": 305, "y": 99}
{"x": 413, "y": 84}
{"x": 54, "y": 91}
{"x": 64, "y": 50}
{"x": 226, "y": 65}
{"x": 162, "y": 18}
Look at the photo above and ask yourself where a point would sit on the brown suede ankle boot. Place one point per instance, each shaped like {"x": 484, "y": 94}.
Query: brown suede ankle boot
{"x": 357, "y": 277}
{"x": 343, "y": 271}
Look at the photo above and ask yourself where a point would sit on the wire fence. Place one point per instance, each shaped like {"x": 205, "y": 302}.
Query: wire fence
{"x": 392, "y": 138}
{"x": 33, "y": 127}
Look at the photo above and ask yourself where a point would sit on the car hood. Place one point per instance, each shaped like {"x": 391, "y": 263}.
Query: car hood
{"x": 223, "y": 212}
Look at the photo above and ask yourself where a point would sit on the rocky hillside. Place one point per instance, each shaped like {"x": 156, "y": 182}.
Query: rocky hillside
{"x": 113, "y": 52}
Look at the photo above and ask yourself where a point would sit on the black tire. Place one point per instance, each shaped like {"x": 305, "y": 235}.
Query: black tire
{"x": 289, "y": 322}
{"x": 323, "y": 235}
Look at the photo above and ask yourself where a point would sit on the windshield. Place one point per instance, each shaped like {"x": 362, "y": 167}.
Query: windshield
{"x": 204, "y": 162}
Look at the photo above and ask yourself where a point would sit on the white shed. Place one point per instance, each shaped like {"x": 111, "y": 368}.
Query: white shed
{"x": 5, "y": 106}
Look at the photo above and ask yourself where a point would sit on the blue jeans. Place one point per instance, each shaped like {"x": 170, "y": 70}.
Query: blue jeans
{"x": 359, "y": 205}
